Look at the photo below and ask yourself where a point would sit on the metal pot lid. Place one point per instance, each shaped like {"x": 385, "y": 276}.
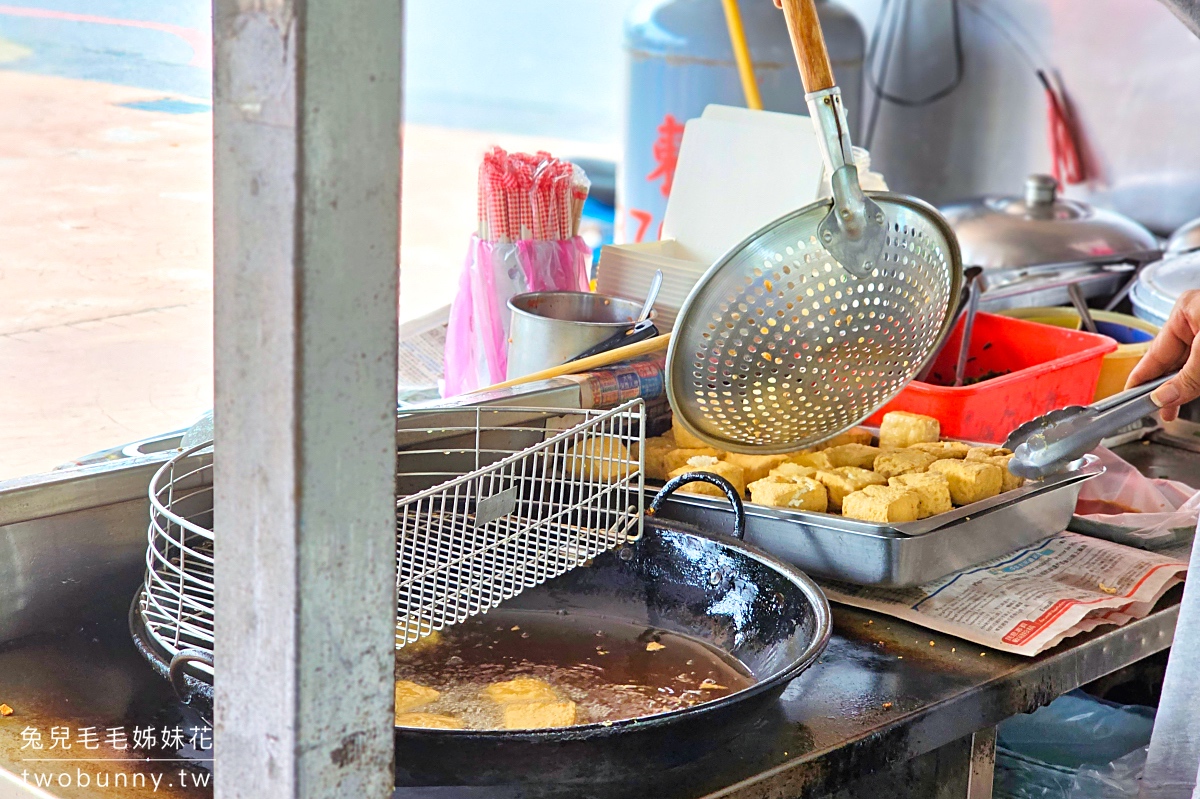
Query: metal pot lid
{"x": 1161, "y": 283}
{"x": 1041, "y": 228}
{"x": 1185, "y": 239}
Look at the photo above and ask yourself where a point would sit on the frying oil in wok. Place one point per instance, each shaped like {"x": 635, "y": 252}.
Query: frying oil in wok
{"x": 611, "y": 669}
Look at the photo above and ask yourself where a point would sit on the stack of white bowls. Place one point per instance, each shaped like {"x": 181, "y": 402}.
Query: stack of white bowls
{"x": 1160, "y": 284}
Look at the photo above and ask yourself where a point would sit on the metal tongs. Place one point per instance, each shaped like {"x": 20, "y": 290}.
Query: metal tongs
{"x": 1052, "y": 442}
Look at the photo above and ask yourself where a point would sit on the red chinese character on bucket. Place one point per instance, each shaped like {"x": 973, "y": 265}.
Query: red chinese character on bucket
{"x": 666, "y": 152}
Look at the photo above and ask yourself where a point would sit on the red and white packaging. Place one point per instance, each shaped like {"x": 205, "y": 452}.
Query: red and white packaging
{"x": 529, "y": 207}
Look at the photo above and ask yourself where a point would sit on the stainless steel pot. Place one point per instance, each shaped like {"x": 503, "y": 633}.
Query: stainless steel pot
{"x": 549, "y": 328}
{"x": 1042, "y": 228}
{"x": 1185, "y": 239}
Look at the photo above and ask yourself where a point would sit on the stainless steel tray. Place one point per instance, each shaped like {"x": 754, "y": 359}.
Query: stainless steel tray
{"x": 900, "y": 555}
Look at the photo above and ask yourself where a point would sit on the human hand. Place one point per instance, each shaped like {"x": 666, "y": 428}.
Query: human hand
{"x": 1177, "y": 346}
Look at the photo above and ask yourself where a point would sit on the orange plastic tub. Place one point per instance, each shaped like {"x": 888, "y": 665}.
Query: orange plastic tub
{"x": 1038, "y": 368}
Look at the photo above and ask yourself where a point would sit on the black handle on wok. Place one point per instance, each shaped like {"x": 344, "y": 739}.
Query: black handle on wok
{"x": 180, "y": 679}
{"x": 735, "y": 499}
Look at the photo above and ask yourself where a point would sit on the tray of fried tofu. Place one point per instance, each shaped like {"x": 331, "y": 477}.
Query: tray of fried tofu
{"x": 894, "y": 507}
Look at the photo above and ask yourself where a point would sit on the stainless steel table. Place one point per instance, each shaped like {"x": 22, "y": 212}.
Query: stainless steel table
{"x": 887, "y": 699}
{"x": 889, "y": 710}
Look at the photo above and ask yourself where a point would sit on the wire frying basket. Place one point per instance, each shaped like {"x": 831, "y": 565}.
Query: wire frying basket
{"x": 492, "y": 500}
{"x": 175, "y": 603}
{"x": 547, "y": 491}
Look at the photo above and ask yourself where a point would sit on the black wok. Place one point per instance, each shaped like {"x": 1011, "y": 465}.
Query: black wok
{"x": 713, "y": 588}
{"x": 765, "y": 613}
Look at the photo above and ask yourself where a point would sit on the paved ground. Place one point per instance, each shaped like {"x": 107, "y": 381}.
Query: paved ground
{"x": 105, "y": 235}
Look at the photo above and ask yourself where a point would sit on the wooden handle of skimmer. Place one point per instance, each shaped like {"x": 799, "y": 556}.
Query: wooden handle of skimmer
{"x": 809, "y": 44}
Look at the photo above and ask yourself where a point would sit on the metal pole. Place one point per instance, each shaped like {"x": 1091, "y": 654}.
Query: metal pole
{"x": 306, "y": 162}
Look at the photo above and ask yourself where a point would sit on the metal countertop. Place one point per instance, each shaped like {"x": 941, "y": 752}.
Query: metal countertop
{"x": 885, "y": 691}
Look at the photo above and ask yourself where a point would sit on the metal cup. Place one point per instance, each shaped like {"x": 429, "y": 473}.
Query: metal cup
{"x": 549, "y": 328}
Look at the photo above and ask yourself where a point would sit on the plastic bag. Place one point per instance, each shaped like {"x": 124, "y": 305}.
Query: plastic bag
{"x": 1077, "y": 729}
{"x": 1072, "y": 744}
{"x": 495, "y": 272}
{"x": 1166, "y": 514}
{"x": 1020, "y": 777}
{"x": 1119, "y": 779}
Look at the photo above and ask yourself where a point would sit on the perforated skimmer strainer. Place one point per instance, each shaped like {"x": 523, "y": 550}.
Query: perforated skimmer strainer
{"x": 779, "y": 346}
{"x": 818, "y": 319}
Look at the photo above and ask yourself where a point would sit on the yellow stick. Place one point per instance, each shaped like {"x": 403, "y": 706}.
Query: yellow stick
{"x": 587, "y": 364}
{"x": 741, "y": 54}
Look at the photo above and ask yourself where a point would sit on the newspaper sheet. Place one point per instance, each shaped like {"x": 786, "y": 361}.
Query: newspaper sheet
{"x": 419, "y": 363}
{"x": 1028, "y": 601}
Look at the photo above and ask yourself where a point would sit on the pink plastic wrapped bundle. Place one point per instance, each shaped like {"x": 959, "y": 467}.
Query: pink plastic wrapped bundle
{"x": 528, "y": 215}
{"x": 1125, "y": 506}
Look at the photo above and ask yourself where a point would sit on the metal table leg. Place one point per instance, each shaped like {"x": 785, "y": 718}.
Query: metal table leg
{"x": 983, "y": 764}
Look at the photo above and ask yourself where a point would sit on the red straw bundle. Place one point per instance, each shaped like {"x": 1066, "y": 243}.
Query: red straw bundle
{"x": 524, "y": 196}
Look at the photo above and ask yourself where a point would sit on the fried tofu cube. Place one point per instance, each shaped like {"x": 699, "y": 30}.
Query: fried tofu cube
{"x": 886, "y": 504}
{"x": 791, "y": 470}
{"x": 931, "y": 488}
{"x": 599, "y": 458}
{"x": 985, "y": 454}
{"x": 846, "y": 480}
{"x": 678, "y": 457}
{"x": 799, "y": 493}
{"x": 683, "y": 438}
{"x": 539, "y": 715}
{"x": 706, "y": 463}
{"x": 432, "y": 721}
{"x": 860, "y": 455}
{"x": 656, "y": 457}
{"x": 903, "y": 461}
{"x": 754, "y": 467}
{"x": 943, "y": 449}
{"x": 520, "y": 689}
{"x": 1008, "y": 480}
{"x": 410, "y": 696}
{"x": 902, "y": 429}
{"x": 970, "y": 481}
{"x": 857, "y": 435}
{"x": 813, "y": 460}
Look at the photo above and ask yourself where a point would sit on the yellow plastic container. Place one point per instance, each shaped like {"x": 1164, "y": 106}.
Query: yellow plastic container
{"x": 1059, "y": 317}
{"x": 1115, "y": 368}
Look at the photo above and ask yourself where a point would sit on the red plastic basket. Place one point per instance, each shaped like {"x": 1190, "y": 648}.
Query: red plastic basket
{"x": 1046, "y": 368}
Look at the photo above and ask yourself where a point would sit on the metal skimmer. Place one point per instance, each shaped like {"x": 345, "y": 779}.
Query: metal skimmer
{"x": 779, "y": 346}
{"x": 493, "y": 501}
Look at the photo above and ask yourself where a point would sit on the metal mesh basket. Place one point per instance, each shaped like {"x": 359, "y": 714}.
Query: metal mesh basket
{"x": 548, "y": 490}
{"x": 176, "y": 601}
{"x": 493, "y": 501}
